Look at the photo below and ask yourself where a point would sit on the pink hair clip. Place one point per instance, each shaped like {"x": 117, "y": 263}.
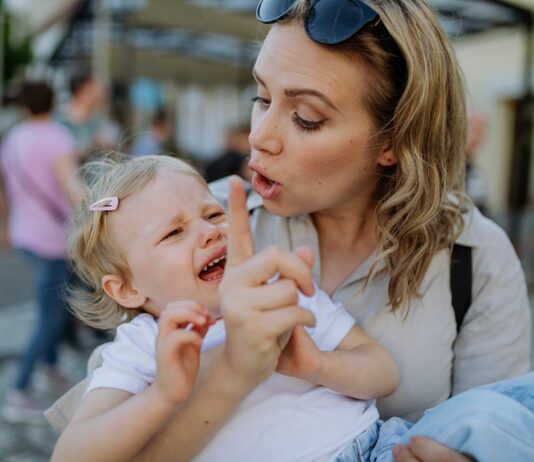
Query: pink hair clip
{"x": 107, "y": 204}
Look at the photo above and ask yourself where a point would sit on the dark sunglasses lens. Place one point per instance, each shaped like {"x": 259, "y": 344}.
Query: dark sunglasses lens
{"x": 335, "y": 21}
{"x": 272, "y": 10}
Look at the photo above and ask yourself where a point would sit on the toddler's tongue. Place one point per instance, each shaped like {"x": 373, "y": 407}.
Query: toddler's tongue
{"x": 213, "y": 272}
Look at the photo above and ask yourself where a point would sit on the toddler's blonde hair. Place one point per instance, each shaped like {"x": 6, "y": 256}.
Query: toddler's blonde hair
{"x": 91, "y": 246}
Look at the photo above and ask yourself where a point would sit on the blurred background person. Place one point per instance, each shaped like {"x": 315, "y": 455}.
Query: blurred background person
{"x": 153, "y": 140}
{"x": 476, "y": 183}
{"x": 38, "y": 166}
{"x": 81, "y": 115}
{"x": 234, "y": 159}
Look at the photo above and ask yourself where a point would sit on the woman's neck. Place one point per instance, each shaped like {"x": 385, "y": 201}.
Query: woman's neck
{"x": 347, "y": 237}
{"x": 346, "y": 225}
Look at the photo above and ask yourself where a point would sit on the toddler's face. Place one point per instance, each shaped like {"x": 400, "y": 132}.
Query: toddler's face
{"x": 173, "y": 235}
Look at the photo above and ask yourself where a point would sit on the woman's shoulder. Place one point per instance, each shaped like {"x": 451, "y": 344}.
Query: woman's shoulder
{"x": 484, "y": 236}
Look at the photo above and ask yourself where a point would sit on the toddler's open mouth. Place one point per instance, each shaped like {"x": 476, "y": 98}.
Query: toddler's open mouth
{"x": 214, "y": 269}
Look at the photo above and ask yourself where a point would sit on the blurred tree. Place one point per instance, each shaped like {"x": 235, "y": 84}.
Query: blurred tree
{"x": 16, "y": 50}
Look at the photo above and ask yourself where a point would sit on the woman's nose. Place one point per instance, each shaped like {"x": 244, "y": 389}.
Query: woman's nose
{"x": 265, "y": 133}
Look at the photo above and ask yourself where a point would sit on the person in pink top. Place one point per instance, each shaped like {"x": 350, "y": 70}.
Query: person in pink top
{"x": 38, "y": 164}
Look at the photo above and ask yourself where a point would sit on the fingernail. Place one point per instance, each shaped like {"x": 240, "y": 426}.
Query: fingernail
{"x": 396, "y": 450}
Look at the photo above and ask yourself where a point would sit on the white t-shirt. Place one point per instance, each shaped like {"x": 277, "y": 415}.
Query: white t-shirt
{"x": 283, "y": 419}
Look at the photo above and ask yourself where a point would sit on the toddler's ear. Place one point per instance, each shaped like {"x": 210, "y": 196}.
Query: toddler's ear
{"x": 123, "y": 293}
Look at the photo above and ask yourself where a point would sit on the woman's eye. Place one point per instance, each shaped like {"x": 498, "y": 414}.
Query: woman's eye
{"x": 262, "y": 102}
{"x": 306, "y": 125}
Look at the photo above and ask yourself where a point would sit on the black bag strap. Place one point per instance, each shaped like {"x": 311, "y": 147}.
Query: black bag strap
{"x": 461, "y": 281}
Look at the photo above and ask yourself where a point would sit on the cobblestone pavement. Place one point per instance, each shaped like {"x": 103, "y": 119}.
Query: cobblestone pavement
{"x": 20, "y": 442}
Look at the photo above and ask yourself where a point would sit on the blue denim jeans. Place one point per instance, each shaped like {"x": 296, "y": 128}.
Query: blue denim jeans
{"x": 50, "y": 277}
{"x": 490, "y": 423}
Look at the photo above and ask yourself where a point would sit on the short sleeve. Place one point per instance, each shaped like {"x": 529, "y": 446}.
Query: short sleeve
{"x": 129, "y": 363}
{"x": 333, "y": 321}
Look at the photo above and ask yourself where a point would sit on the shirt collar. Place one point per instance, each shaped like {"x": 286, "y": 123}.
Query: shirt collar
{"x": 472, "y": 232}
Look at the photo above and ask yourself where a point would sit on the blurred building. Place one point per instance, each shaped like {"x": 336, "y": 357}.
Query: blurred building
{"x": 195, "y": 57}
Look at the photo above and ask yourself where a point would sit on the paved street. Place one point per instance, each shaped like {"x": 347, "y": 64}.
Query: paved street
{"x": 29, "y": 443}
{"x": 25, "y": 443}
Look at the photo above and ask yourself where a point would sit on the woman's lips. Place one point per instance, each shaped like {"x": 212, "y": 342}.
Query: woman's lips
{"x": 265, "y": 187}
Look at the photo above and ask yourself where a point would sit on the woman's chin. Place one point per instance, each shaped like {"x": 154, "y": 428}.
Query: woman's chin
{"x": 284, "y": 208}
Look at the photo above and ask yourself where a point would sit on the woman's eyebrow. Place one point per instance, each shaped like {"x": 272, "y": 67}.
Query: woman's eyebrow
{"x": 294, "y": 92}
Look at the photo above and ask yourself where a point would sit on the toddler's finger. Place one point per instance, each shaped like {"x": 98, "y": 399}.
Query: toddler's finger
{"x": 285, "y": 319}
{"x": 279, "y": 294}
{"x": 175, "y": 318}
{"x": 201, "y": 330}
{"x": 178, "y": 338}
{"x": 240, "y": 243}
{"x": 306, "y": 254}
{"x": 271, "y": 261}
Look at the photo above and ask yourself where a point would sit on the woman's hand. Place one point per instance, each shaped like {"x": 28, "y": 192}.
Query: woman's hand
{"x": 178, "y": 349}
{"x": 421, "y": 449}
{"x": 300, "y": 358}
{"x": 257, "y": 314}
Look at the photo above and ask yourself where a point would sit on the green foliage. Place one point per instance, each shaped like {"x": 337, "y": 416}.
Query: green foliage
{"x": 17, "y": 52}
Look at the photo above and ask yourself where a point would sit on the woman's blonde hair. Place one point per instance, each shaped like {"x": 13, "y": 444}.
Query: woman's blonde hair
{"x": 415, "y": 96}
{"x": 92, "y": 248}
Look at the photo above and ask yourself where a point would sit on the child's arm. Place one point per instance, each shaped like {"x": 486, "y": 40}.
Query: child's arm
{"x": 360, "y": 367}
{"x": 113, "y": 424}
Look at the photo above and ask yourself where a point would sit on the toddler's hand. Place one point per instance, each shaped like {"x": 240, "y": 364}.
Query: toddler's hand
{"x": 256, "y": 314}
{"x": 300, "y": 358}
{"x": 182, "y": 326}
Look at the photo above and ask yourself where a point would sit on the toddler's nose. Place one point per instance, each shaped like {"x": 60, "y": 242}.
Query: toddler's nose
{"x": 210, "y": 234}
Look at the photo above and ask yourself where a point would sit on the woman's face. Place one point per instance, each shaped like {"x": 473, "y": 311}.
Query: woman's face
{"x": 311, "y": 146}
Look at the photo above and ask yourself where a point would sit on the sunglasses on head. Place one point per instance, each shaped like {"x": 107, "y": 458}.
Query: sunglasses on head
{"x": 327, "y": 21}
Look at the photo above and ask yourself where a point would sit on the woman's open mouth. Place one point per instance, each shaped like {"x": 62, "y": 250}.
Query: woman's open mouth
{"x": 214, "y": 270}
{"x": 264, "y": 186}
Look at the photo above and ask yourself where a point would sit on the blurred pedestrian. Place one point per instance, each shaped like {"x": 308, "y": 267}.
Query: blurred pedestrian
{"x": 151, "y": 142}
{"x": 38, "y": 166}
{"x": 234, "y": 159}
{"x": 81, "y": 115}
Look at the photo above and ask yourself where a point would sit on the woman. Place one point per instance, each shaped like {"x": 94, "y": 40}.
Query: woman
{"x": 37, "y": 163}
{"x": 357, "y": 152}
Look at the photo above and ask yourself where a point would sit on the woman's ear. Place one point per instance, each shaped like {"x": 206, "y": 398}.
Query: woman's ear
{"x": 123, "y": 293}
{"x": 387, "y": 157}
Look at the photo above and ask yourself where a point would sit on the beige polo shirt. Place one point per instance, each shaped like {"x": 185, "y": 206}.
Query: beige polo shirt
{"x": 493, "y": 343}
